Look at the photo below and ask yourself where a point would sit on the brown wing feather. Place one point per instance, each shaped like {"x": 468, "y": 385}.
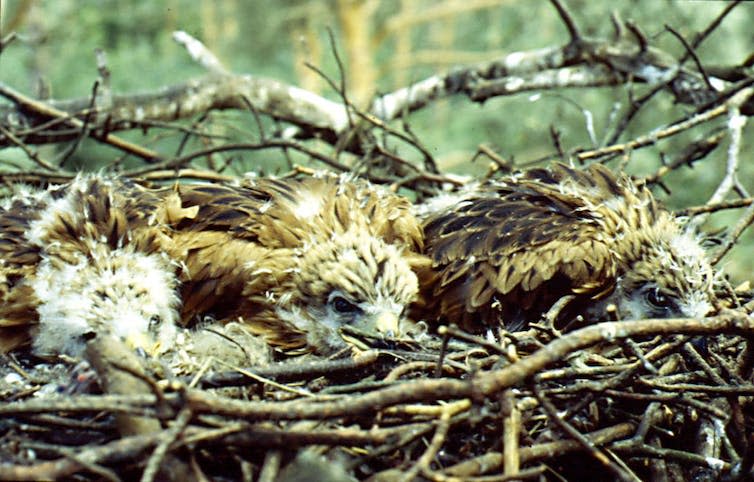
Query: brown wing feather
{"x": 17, "y": 300}
{"x": 223, "y": 234}
{"x": 112, "y": 210}
{"x": 216, "y": 270}
{"x": 252, "y": 236}
{"x": 238, "y": 245}
{"x": 538, "y": 232}
{"x": 389, "y": 216}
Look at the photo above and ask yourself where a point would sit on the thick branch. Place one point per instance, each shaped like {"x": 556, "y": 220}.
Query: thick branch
{"x": 195, "y": 97}
{"x": 580, "y": 63}
{"x": 482, "y": 385}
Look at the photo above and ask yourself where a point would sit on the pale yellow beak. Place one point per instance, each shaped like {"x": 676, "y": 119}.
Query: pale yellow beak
{"x": 387, "y": 324}
{"x": 142, "y": 344}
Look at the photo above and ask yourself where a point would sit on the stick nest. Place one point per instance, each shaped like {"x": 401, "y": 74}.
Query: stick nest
{"x": 670, "y": 405}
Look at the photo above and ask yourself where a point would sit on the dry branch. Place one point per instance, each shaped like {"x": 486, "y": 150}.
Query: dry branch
{"x": 622, "y": 398}
{"x": 579, "y": 63}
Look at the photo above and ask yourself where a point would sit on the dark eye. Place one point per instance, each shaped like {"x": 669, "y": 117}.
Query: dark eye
{"x": 659, "y": 300}
{"x": 154, "y": 322}
{"x": 342, "y": 305}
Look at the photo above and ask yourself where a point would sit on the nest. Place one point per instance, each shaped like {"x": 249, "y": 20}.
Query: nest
{"x": 663, "y": 400}
{"x": 638, "y": 400}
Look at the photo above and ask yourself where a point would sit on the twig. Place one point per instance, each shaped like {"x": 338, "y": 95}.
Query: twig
{"x": 341, "y": 87}
{"x": 713, "y": 207}
{"x": 84, "y": 131}
{"x": 438, "y": 439}
{"x": 693, "y": 152}
{"x": 270, "y": 466}
{"x": 132, "y": 404}
{"x": 680, "y": 399}
{"x": 649, "y": 418}
{"x": 565, "y": 16}
{"x": 585, "y": 443}
{"x": 690, "y": 53}
{"x": 637, "y": 352}
{"x": 173, "y": 174}
{"x": 7, "y": 40}
{"x": 200, "y": 53}
{"x": 28, "y": 104}
{"x": 699, "y": 361}
{"x": 168, "y": 437}
{"x": 269, "y": 144}
{"x": 493, "y": 460}
{"x": 121, "y": 372}
{"x": 552, "y": 314}
{"x": 628, "y": 448}
{"x": 736, "y": 122}
{"x": 511, "y": 430}
{"x": 401, "y": 370}
{"x": 294, "y": 370}
{"x": 459, "y": 334}
{"x": 34, "y": 156}
{"x": 655, "y": 136}
{"x": 747, "y": 218}
{"x": 121, "y": 449}
{"x": 700, "y": 37}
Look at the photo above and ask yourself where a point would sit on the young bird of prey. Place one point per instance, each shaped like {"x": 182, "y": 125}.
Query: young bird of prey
{"x": 297, "y": 259}
{"x": 506, "y": 251}
{"x": 81, "y": 259}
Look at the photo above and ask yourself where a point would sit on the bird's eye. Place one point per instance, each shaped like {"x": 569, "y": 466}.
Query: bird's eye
{"x": 659, "y": 300}
{"x": 342, "y": 305}
{"x": 154, "y": 322}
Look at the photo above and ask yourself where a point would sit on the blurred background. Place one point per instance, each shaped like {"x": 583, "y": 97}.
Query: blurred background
{"x": 383, "y": 45}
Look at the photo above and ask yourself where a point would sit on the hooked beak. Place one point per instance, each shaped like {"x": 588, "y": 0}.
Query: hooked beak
{"x": 142, "y": 344}
{"x": 384, "y": 324}
{"x": 387, "y": 324}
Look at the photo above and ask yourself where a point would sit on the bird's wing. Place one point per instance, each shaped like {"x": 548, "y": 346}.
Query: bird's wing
{"x": 265, "y": 291}
{"x": 216, "y": 268}
{"x": 18, "y": 259}
{"x": 333, "y": 204}
{"x": 513, "y": 237}
{"x": 236, "y": 262}
{"x": 152, "y": 206}
{"x": 105, "y": 210}
{"x": 391, "y": 216}
{"x": 224, "y": 239}
{"x": 65, "y": 223}
{"x": 245, "y": 243}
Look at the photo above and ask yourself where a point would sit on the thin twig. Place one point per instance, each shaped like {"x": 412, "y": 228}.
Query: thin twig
{"x": 167, "y": 438}
{"x": 588, "y": 446}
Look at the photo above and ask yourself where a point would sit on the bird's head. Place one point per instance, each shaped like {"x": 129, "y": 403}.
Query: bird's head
{"x": 128, "y": 294}
{"x": 352, "y": 279}
{"x": 672, "y": 278}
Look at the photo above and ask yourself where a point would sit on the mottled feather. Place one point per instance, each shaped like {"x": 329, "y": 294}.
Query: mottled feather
{"x": 278, "y": 253}
{"x": 85, "y": 256}
{"x": 508, "y": 249}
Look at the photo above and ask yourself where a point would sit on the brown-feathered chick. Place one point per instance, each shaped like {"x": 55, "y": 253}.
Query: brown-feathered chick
{"x": 504, "y": 252}
{"x": 297, "y": 259}
{"x": 82, "y": 259}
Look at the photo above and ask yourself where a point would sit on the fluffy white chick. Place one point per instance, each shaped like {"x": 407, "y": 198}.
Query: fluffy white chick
{"x": 129, "y": 294}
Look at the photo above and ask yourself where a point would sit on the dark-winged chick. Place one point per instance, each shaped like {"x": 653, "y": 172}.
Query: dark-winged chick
{"x": 297, "y": 259}
{"x": 505, "y": 251}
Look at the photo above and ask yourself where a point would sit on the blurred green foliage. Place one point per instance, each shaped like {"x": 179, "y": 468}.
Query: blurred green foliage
{"x": 409, "y": 40}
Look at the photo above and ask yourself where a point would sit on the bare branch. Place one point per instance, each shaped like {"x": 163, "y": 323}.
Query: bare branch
{"x": 200, "y": 53}
{"x": 736, "y": 122}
